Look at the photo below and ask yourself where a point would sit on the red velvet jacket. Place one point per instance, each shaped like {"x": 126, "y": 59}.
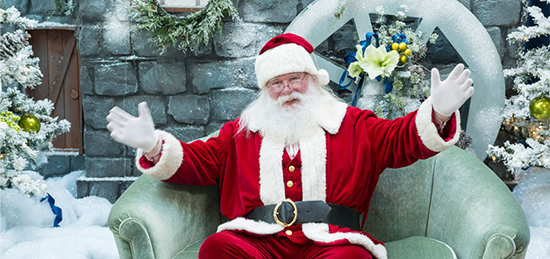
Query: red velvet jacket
{"x": 339, "y": 165}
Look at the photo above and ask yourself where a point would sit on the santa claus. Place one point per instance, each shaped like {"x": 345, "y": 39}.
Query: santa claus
{"x": 299, "y": 167}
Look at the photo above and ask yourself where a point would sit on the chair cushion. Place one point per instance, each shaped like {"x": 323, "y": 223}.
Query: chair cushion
{"x": 416, "y": 247}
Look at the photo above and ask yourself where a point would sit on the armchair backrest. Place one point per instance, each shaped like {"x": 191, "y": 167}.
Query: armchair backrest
{"x": 401, "y": 202}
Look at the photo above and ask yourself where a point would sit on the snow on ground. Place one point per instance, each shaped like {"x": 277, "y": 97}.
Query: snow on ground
{"x": 27, "y": 232}
{"x": 533, "y": 194}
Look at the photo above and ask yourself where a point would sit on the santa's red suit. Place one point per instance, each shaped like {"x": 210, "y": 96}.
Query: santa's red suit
{"x": 340, "y": 163}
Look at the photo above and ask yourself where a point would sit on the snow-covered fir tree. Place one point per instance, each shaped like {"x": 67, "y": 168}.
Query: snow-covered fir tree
{"x": 527, "y": 114}
{"x": 26, "y": 126}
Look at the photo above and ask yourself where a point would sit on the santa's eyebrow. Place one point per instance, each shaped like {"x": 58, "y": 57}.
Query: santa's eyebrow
{"x": 274, "y": 80}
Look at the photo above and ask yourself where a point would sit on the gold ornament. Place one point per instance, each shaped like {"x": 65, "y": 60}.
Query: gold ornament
{"x": 1, "y": 156}
{"x": 402, "y": 46}
{"x": 407, "y": 52}
{"x": 403, "y": 59}
{"x": 395, "y": 46}
{"x": 29, "y": 122}
{"x": 540, "y": 108}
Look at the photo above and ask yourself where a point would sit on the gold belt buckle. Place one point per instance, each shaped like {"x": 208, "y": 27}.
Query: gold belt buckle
{"x": 276, "y": 213}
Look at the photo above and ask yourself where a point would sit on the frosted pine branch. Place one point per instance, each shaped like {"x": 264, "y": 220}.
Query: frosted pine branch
{"x": 13, "y": 16}
{"x": 525, "y": 33}
{"x": 519, "y": 156}
{"x": 13, "y": 42}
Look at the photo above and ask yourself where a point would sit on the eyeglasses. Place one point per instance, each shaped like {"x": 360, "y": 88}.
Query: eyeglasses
{"x": 277, "y": 85}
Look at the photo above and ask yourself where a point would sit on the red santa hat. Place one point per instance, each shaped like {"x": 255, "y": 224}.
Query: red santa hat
{"x": 285, "y": 54}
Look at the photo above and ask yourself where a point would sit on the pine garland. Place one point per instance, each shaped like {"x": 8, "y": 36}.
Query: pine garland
{"x": 65, "y": 7}
{"x": 187, "y": 33}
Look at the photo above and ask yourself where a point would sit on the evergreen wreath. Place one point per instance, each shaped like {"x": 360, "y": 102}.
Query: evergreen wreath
{"x": 64, "y": 7}
{"x": 189, "y": 32}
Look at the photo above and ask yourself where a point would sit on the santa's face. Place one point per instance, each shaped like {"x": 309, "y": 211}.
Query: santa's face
{"x": 281, "y": 87}
{"x": 291, "y": 114}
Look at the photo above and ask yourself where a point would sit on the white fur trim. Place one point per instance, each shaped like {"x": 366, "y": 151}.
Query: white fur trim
{"x": 322, "y": 77}
{"x": 314, "y": 159}
{"x": 319, "y": 232}
{"x": 428, "y": 132}
{"x": 313, "y": 155}
{"x": 272, "y": 189}
{"x": 252, "y": 226}
{"x": 170, "y": 160}
{"x": 333, "y": 115}
{"x": 283, "y": 59}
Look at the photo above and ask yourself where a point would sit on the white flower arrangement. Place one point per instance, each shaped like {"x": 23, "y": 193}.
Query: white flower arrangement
{"x": 394, "y": 63}
{"x": 374, "y": 62}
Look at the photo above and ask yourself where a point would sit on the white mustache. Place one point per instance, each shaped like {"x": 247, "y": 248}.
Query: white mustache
{"x": 291, "y": 97}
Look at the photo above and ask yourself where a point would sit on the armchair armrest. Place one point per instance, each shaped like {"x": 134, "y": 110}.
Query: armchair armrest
{"x": 473, "y": 211}
{"x": 153, "y": 219}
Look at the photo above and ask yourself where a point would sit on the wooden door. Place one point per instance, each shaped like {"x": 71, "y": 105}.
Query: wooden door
{"x": 59, "y": 63}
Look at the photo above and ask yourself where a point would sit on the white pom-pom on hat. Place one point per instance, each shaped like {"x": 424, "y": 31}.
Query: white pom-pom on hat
{"x": 322, "y": 77}
{"x": 287, "y": 53}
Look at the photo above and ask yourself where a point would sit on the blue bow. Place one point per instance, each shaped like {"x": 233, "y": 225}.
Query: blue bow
{"x": 56, "y": 210}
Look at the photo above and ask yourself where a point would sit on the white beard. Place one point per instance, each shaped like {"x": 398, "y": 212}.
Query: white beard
{"x": 288, "y": 124}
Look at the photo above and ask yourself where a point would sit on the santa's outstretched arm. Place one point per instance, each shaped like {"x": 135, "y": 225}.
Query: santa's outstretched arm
{"x": 449, "y": 95}
{"x": 136, "y": 132}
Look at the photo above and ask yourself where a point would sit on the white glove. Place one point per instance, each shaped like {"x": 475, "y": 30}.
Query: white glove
{"x": 136, "y": 132}
{"x": 449, "y": 95}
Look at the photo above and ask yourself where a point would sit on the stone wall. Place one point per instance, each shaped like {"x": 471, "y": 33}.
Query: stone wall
{"x": 190, "y": 94}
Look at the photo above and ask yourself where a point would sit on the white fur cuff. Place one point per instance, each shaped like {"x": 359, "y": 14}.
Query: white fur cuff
{"x": 319, "y": 232}
{"x": 428, "y": 132}
{"x": 252, "y": 226}
{"x": 170, "y": 160}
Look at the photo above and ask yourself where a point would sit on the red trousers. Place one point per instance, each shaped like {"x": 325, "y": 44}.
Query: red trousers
{"x": 232, "y": 244}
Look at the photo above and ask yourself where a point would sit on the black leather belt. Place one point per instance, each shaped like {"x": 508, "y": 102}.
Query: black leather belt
{"x": 287, "y": 213}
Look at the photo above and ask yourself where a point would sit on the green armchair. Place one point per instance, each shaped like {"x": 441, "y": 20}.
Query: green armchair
{"x": 448, "y": 206}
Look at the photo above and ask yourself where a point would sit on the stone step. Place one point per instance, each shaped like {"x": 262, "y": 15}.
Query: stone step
{"x": 110, "y": 167}
{"x": 56, "y": 164}
{"x": 106, "y": 187}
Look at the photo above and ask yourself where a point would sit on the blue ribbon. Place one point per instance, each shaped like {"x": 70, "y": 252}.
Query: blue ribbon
{"x": 367, "y": 41}
{"x": 350, "y": 58}
{"x": 58, "y": 212}
{"x": 388, "y": 86}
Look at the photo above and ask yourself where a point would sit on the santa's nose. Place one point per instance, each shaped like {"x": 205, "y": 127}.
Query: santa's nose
{"x": 287, "y": 89}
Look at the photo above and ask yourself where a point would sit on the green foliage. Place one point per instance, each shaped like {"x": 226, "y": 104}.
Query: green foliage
{"x": 64, "y": 7}
{"x": 10, "y": 119}
{"x": 185, "y": 33}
